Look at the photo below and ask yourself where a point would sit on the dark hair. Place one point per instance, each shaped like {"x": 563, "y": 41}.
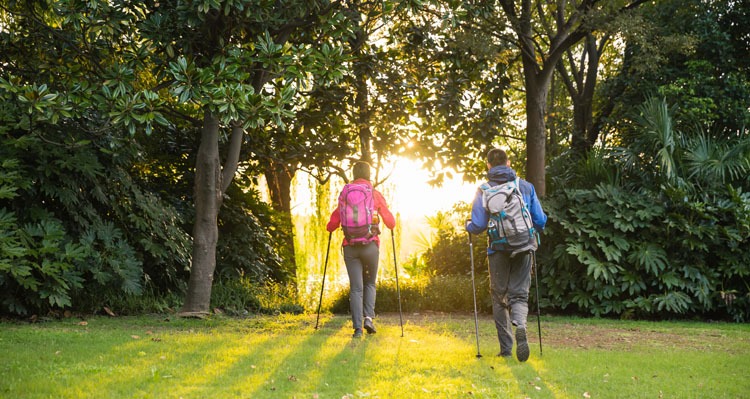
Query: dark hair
{"x": 497, "y": 157}
{"x": 361, "y": 170}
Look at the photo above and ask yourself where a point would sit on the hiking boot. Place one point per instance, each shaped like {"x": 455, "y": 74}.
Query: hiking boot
{"x": 522, "y": 345}
{"x": 505, "y": 355}
{"x": 357, "y": 333}
{"x": 369, "y": 326}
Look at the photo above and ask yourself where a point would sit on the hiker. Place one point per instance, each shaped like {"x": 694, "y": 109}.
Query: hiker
{"x": 361, "y": 242}
{"x": 510, "y": 268}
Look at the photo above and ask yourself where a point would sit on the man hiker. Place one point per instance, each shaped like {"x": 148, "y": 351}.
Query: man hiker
{"x": 358, "y": 212}
{"x": 509, "y": 260}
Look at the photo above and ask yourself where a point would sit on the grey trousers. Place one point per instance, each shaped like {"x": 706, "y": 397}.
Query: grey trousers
{"x": 510, "y": 280}
{"x": 362, "y": 266}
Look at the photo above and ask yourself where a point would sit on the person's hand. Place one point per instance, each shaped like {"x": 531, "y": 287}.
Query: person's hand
{"x": 466, "y": 225}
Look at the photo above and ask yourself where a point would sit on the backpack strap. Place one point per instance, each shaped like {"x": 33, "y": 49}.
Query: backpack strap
{"x": 484, "y": 187}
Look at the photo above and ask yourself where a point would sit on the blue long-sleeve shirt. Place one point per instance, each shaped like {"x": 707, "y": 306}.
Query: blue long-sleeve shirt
{"x": 480, "y": 217}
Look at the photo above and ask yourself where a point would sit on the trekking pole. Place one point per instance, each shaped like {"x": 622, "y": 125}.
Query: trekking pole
{"x": 323, "y": 285}
{"x": 536, "y": 283}
{"x": 474, "y": 292}
{"x": 398, "y": 290}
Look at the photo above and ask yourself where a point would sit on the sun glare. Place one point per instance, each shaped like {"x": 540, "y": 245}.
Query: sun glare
{"x": 414, "y": 197}
{"x": 410, "y": 198}
{"x": 407, "y": 191}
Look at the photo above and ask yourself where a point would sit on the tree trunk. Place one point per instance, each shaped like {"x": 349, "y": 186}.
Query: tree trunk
{"x": 362, "y": 102}
{"x": 537, "y": 82}
{"x": 361, "y": 90}
{"x": 536, "y": 138}
{"x": 581, "y": 91}
{"x": 363, "y": 117}
{"x": 279, "y": 179}
{"x": 208, "y": 197}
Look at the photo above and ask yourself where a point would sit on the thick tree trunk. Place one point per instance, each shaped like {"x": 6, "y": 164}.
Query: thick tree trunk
{"x": 363, "y": 109}
{"x": 536, "y": 138}
{"x": 208, "y": 196}
{"x": 537, "y": 82}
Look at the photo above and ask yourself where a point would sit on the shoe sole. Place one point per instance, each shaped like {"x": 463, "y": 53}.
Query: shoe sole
{"x": 522, "y": 345}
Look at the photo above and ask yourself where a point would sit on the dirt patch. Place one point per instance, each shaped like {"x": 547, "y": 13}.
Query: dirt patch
{"x": 610, "y": 335}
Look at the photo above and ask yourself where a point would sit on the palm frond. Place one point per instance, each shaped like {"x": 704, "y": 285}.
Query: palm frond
{"x": 710, "y": 160}
{"x": 658, "y": 138}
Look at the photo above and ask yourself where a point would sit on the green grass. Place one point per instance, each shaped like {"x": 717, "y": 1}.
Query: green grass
{"x": 285, "y": 357}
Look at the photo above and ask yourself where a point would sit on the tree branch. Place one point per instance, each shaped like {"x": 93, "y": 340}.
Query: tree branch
{"x": 233, "y": 157}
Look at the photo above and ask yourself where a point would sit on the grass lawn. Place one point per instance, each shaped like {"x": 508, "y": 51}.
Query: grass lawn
{"x": 285, "y": 357}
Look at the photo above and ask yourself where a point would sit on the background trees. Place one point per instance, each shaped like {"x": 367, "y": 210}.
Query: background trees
{"x": 231, "y": 66}
{"x": 78, "y": 225}
{"x": 649, "y": 218}
{"x": 126, "y": 125}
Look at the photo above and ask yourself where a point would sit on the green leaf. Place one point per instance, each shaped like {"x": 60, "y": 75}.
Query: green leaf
{"x": 650, "y": 257}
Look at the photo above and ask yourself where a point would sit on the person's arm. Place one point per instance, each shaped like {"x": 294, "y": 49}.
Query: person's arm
{"x": 479, "y": 216}
{"x": 385, "y": 214}
{"x": 335, "y": 221}
{"x": 538, "y": 217}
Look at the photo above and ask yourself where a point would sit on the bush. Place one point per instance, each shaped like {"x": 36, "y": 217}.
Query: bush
{"x": 75, "y": 225}
{"x": 614, "y": 252}
{"x": 447, "y": 252}
{"x": 630, "y": 237}
{"x": 450, "y": 294}
{"x": 241, "y": 296}
{"x": 250, "y": 236}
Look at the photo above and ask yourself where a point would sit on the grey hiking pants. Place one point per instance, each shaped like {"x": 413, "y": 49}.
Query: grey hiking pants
{"x": 510, "y": 280}
{"x": 362, "y": 266}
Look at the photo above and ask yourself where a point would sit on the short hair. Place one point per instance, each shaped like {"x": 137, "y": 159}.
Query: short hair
{"x": 361, "y": 170}
{"x": 497, "y": 157}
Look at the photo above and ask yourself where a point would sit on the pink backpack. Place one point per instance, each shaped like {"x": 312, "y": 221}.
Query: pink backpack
{"x": 356, "y": 206}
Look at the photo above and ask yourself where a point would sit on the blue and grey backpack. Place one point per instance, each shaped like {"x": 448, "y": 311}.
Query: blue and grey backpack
{"x": 510, "y": 227}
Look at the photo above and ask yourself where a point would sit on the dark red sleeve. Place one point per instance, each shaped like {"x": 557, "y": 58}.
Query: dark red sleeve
{"x": 385, "y": 214}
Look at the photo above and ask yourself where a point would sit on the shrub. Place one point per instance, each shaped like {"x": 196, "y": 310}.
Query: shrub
{"x": 450, "y": 294}
{"x": 657, "y": 229}
{"x": 448, "y": 251}
{"x": 76, "y": 225}
{"x": 235, "y": 296}
{"x": 248, "y": 246}
{"x": 241, "y": 296}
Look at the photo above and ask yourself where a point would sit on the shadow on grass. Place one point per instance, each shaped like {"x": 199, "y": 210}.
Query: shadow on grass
{"x": 285, "y": 357}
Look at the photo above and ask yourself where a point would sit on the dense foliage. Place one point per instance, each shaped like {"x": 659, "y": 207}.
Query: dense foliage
{"x": 653, "y": 230}
{"x": 449, "y": 294}
{"x": 654, "y": 222}
{"x": 92, "y": 211}
{"x": 445, "y": 250}
{"x": 76, "y": 224}
{"x": 651, "y": 222}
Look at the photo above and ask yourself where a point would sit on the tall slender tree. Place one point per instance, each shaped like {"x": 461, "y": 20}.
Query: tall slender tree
{"x": 541, "y": 31}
